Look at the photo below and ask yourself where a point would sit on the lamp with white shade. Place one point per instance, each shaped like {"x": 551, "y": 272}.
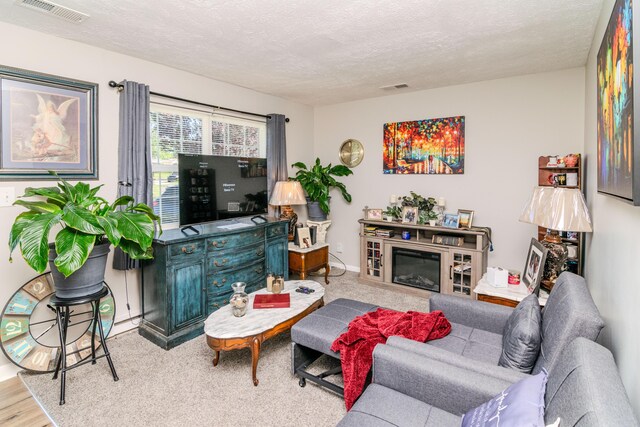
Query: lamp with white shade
{"x": 556, "y": 209}
{"x": 285, "y": 194}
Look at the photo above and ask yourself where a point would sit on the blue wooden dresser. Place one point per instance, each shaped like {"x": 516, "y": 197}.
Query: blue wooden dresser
{"x": 190, "y": 276}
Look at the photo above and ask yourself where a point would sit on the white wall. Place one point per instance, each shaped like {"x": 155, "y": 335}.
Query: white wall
{"x": 39, "y": 52}
{"x": 613, "y": 249}
{"x": 509, "y": 123}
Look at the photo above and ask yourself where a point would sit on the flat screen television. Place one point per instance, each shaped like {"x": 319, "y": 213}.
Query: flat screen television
{"x": 218, "y": 187}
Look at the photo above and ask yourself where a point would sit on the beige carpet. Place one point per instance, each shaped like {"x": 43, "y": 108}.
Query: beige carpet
{"x": 180, "y": 387}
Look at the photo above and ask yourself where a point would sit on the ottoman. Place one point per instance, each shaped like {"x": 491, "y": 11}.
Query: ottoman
{"x": 312, "y": 337}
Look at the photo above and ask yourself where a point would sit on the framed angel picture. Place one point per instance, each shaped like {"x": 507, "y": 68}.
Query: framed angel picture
{"x": 48, "y": 123}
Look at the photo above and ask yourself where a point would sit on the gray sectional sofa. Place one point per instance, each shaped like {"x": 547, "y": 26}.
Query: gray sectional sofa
{"x": 410, "y": 389}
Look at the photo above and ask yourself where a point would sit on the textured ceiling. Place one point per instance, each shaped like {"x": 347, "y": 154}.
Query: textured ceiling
{"x": 324, "y": 52}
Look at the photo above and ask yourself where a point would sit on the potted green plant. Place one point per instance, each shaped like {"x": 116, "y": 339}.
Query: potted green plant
{"x": 317, "y": 181}
{"x": 425, "y": 207}
{"x": 89, "y": 225}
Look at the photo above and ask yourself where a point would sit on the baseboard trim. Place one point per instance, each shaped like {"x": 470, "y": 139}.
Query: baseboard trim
{"x": 8, "y": 371}
{"x": 348, "y": 267}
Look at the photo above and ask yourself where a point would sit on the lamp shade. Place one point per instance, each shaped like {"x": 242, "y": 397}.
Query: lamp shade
{"x": 287, "y": 193}
{"x": 562, "y": 209}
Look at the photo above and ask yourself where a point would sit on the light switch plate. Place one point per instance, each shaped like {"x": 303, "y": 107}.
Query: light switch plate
{"x": 7, "y": 196}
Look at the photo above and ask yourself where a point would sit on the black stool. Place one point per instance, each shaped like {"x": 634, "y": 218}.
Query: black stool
{"x": 61, "y": 306}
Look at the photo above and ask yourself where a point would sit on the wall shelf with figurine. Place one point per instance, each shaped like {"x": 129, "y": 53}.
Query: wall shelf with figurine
{"x": 564, "y": 172}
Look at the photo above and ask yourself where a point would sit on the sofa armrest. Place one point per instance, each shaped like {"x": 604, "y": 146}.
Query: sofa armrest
{"x": 445, "y": 356}
{"x": 475, "y": 314}
{"x": 447, "y": 387}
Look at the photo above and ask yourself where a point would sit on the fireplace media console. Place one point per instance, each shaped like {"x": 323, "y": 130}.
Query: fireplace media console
{"x": 419, "y": 262}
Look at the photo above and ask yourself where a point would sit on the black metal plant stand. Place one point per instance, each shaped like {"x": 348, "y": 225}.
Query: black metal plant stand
{"x": 61, "y": 307}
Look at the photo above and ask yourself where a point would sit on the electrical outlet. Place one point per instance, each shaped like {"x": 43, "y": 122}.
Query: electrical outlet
{"x": 339, "y": 248}
{"x": 7, "y": 196}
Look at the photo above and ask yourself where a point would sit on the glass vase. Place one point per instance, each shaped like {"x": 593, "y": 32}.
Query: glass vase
{"x": 239, "y": 300}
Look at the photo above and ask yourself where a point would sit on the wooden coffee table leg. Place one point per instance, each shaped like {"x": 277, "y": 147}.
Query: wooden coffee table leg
{"x": 255, "y": 355}
{"x": 216, "y": 357}
{"x": 327, "y": 270}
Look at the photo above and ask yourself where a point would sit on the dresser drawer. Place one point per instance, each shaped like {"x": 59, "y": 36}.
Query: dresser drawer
{"x": 230, "y": 260}
{"x": 186, "y": 250}
{"x": 235, "y": 240}
{"x": 220, "y": 283}
{"x": 217, "y": 302}
{"x": 277, "y": 230}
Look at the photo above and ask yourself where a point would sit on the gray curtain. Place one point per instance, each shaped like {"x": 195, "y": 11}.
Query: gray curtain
{"x": 134, "y": 155}
{"x": 276, "y": 154}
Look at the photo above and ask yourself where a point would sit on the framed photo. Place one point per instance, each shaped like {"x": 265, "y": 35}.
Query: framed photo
{"x": 304, "y": 237}
{"x": 534, "y": 266}
{"x": 451, "y": 220}
{"x": 47, "y": 123}
{"x": 409, "y": 215}
{"x": 466, "y": 218}
{"x": 373, "y": 214}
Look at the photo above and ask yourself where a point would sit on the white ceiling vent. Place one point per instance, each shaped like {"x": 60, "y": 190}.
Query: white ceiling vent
{"x": 54, "y": 9}
{"x": 395, "y": 87}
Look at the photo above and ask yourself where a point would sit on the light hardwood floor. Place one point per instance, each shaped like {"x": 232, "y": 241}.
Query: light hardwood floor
{"x": 17, "y": 406}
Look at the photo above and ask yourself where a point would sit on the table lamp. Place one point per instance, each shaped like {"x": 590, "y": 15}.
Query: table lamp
{"x": 285, "y": 194}
{"x": 556, "y": 209}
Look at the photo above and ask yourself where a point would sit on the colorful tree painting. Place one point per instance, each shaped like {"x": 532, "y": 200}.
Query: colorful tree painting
{"x": 432, "y": 146}
{"x": 615, "y": 105}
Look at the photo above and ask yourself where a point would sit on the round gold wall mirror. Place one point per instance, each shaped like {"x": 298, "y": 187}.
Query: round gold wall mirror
{"x": 351, "y": 153}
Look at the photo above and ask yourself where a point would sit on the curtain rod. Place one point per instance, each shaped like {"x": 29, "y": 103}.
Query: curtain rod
{"x": 115, "y": 85}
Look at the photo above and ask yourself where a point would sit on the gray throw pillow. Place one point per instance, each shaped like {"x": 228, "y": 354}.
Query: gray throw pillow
{"x": 521, "y": 336}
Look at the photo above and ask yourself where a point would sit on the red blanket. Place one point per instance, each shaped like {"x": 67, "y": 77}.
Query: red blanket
{"x": 366, "y": 331}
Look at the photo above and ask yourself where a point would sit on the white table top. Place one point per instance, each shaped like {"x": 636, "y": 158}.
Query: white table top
{"x": 295, "y": 248}
{"x": 512, "y": 292}
{"x": 223, "y": 324}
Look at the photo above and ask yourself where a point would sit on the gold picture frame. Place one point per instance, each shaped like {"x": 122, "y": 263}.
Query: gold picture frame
{"x": 465, "y": 218}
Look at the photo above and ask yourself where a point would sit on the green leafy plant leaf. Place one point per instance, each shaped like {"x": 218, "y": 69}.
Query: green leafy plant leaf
{"x": 43, "y": 207}
{"x": 134, "y": 250}
{"x": 73, "y": 248}
{"x": 318, "y": 180}
{"x": 23, "y": 220}
{"x": 136, "y": 227}
{"x": 34, "y": 240}
{"x": 110, "y": 227}
{"x": 81, "y": 219}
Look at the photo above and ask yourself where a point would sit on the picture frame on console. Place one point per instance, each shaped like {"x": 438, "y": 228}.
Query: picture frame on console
{"x": 534, "y": 266}
{"x": 465, "y": 218}
{"x": 451, "y": 220}
{"x": 409, "y": 215}
{"x": 303, "y": 237}
{"x": 375, "y": 214}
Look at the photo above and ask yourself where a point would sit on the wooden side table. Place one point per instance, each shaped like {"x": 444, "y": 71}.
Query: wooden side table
{"x": 303, "y": 261}
{"x": 509, "y": 296}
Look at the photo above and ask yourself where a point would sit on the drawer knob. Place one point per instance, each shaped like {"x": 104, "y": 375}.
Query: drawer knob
{"x": 258, "y": 269}
{"x": 215, "y": 304}
{"x": 225, "y": 301}
{"x": 188, "y": 250}
{"x": 219, "y": 244}
{"x": 222, "y": 282}
{"x": 220, "y": 264}
{"x": 260, "y": 251}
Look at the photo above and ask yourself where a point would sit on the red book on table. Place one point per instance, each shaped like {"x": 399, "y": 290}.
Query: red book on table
{"x": 272, "y": 301}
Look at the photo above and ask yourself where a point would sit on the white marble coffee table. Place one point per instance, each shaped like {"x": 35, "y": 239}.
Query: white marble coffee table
{"x": 224, "y": 331}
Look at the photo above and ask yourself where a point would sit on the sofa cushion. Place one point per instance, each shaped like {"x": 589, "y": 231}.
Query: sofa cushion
{"x": 521, "y": 336}
{"x": 520, "y": 404}
{"x": 585, "y": 388}
{"x": 472, "y": 343}
{"x": 569, "y": 313}
{"x": 384, "y": 407}
{"x": 321, "y": 328}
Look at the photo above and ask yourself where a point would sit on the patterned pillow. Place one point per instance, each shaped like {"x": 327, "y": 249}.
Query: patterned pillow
{"x": 521, "y": 337}
{"x": 521, "y": 404}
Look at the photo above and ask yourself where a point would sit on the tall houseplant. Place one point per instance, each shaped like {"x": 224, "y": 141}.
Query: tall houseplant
{"x": 317, "y": 181}
{"x": 89, "y": 225}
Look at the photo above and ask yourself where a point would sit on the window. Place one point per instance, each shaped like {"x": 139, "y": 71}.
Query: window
{"x": 177, "y": 130}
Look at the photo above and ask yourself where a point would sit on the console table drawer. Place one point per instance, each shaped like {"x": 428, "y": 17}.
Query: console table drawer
{"x": 277, "y": 230}
{"x": 187, "y": 250}
{"x": 234, "y": 259}
{"x": 235, "y": 240}
{"x": 218, "y": 284}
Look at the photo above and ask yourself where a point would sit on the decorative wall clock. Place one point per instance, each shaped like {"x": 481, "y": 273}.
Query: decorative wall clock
{"x": 351, "y": 153}
{"x": 29, "y": 331}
